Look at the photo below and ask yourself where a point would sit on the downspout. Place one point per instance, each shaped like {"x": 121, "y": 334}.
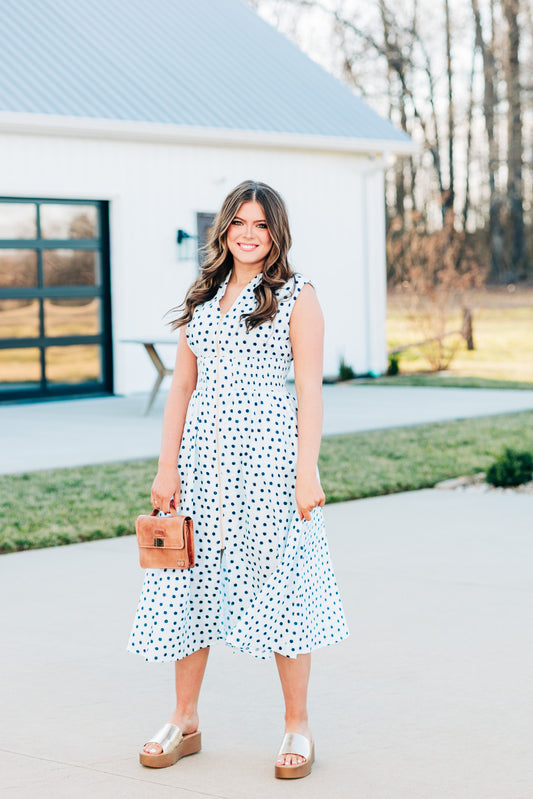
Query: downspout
{"x": 376, "y": 163}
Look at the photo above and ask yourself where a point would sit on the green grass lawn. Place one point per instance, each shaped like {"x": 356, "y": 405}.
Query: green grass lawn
{"x": 62, "y": 506}
{"x": 440, "y": 380}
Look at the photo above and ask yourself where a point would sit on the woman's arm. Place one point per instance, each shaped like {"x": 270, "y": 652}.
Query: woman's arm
{"x": 167, "y": 482}
{"x": 306, "y": 333}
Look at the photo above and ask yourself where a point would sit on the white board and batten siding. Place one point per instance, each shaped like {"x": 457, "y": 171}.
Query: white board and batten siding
{"x": 336, "y": 209}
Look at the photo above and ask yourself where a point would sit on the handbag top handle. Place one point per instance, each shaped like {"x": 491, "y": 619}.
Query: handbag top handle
{"x": 173, "y": 511}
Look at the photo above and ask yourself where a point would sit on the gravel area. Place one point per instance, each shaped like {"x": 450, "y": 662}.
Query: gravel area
{"x": 476, "y": 483}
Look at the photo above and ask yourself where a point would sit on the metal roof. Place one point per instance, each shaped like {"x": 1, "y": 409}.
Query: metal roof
{"x": 197, "y": 63}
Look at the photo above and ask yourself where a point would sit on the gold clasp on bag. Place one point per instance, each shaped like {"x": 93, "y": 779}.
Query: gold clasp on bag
{"x": 159, "y": 542}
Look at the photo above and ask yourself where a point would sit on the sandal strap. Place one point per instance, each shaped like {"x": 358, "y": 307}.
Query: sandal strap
{"x": 295, "y": 744}
{"x": 168, "y": 737}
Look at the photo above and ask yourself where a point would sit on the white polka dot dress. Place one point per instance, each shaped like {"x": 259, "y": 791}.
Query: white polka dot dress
{"x": 271, "y": 588}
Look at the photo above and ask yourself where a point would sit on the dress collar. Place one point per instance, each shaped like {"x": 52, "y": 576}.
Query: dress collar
{"x": 222, "y": 288}
{"x": 246, "y": 289}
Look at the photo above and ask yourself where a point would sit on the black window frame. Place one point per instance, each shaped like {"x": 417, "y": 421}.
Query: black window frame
{"x": 44, "y": 390}
{"x": 204, "y": 220}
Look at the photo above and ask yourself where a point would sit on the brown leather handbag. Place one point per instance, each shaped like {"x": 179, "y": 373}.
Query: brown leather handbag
{"x": 165, "y": 542}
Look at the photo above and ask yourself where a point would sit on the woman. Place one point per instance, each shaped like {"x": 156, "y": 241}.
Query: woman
{"x": 247, "y": 474}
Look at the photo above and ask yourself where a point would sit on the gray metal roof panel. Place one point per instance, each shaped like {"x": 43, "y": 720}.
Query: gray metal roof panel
{"x": 206, "y": 63}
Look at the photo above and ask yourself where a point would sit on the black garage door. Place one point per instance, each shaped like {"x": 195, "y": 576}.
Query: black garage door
{"x": 55, "y": 305}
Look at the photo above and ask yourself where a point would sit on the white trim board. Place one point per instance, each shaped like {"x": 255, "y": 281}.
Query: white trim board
{"x": 87, "y": 127}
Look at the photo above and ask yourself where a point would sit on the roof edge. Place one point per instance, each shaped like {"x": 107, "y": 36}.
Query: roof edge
{"x": 89, "y": 127}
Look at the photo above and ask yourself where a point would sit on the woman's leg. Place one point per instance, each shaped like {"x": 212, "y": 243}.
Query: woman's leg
{"x": 294, "y": 676}
{"x": 189, "y": 675}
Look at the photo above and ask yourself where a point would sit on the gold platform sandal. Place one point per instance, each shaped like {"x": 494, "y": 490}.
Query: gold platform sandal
{"x": 295, "y": 744}
{"x": 174, "y": 744}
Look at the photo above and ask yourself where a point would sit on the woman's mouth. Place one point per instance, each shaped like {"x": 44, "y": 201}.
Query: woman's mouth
{"x": 247, "y": 247}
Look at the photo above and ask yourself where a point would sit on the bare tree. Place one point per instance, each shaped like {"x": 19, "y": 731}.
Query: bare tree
{"x": 449, "y": 201}
{"x": 470, "y": 114}
{"x": 490, "y": 101}
{"x": 401, "y": 59}
{"x": 518, "y": 257}
{"x": 434, "y": 271}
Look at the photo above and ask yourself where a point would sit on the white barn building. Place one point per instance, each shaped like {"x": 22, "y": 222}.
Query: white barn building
{"x": 122, "y": 122}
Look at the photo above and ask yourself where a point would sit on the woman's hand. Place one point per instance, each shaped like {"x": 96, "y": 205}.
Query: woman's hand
{"x": 309, "y": 495}
{"x": 165, "y": 486}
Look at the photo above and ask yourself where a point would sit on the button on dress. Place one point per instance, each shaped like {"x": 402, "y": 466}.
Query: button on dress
{"x": 263, "y": 581}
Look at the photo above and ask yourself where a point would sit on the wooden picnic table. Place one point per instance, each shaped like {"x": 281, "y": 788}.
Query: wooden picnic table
{"x": 162, "y": 370}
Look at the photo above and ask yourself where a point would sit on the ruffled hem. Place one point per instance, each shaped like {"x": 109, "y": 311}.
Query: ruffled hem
{"x": 296, "y": 611}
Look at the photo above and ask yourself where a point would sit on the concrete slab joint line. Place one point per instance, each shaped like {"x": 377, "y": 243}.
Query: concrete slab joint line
{"x": 142, "y": 777}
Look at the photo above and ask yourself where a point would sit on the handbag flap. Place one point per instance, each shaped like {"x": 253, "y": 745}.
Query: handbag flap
{"x": 161, "y": 531}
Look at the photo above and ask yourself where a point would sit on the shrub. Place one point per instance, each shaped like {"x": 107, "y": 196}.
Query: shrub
{"x": 394, "y": 365}
{"x": 345, "y": 371}
{"x": 511, "y": 468}
{"x": 432, "y": 270}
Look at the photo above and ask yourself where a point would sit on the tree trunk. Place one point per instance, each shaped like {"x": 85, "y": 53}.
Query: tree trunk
{"x": 515, "y": 186}
{"x": 401, "y": 190}
{"x": 470, "y": 114}
{"x": 449, "y": 200}
{"x": 497, "y": 246}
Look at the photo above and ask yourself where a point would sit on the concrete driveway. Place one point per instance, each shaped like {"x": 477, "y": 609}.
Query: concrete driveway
{"x": 429, "y": 698}
{"x": 76, "y": 432}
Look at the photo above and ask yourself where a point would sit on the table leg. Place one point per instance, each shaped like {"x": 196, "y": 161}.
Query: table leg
{"x": 162, "y": 372}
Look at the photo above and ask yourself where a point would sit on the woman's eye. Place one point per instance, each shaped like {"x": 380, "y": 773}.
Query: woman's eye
{"x": 263, "y": 225}
{"x": 236, "y": 222}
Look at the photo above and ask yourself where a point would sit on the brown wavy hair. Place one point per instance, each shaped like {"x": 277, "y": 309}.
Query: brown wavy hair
{"x": 219, "y": 260}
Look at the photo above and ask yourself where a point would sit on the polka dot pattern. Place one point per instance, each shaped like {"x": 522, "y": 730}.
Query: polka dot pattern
{"x": 272, "y": 587}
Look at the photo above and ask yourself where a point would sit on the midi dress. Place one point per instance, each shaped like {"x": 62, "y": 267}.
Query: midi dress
{"x": 263, "y": 580}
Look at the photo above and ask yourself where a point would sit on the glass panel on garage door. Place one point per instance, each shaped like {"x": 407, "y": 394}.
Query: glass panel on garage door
{"x": 55, "y": 304}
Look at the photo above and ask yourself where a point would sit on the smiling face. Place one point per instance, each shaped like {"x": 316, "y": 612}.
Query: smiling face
{"x": 248, "y": 237}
